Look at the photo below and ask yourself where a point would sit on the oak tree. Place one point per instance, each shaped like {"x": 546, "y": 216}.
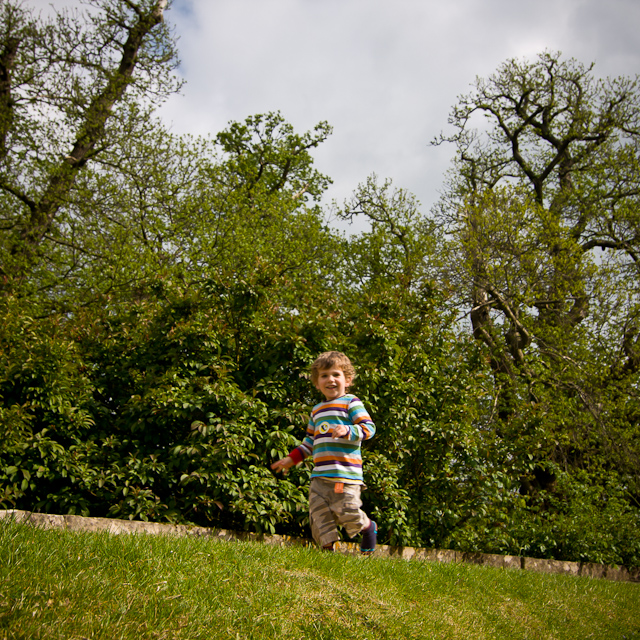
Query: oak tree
{"x": 542, "y": 212}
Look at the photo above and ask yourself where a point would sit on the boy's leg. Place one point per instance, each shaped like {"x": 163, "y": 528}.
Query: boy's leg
{"x": 355, "y": 520}
{"x": 349, "y": 514}
{"x": 321, "y": 517}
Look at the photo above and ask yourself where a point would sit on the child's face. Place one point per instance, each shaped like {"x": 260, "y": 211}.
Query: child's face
{"x": 332, "y": 383}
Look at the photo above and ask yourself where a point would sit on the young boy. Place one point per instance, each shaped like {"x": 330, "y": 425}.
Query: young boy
{"x": 335, "y": 431}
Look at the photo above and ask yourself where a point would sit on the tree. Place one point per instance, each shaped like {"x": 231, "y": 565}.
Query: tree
{"x": 69, "y": 90}
{"x": 263, "y": 196}
{"x": 568, "y": 144}
{"x": 400, "y": 246}
{"x": 541, "y": 209}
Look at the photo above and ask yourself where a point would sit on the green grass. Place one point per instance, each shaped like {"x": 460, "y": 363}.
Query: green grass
{"x": 60, "y": 584}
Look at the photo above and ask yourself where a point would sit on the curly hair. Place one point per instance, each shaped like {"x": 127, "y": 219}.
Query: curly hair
{"x": 330, "y": 359}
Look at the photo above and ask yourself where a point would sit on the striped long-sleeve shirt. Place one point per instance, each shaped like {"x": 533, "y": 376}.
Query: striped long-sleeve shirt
{"x": 339, "y": 460}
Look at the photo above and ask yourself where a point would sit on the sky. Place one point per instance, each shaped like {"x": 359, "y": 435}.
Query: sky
{"x": 384, "y": 74}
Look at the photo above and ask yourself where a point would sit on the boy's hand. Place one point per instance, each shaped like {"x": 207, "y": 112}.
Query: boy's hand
{"x": 340, "y": 431}
{"x": 283, "y": 464}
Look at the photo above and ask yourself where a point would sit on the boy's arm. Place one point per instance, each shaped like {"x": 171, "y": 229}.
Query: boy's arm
{"x": 362, "y": 426}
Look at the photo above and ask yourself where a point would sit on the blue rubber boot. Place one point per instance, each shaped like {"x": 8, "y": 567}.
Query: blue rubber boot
{"x": 369, "y": 539}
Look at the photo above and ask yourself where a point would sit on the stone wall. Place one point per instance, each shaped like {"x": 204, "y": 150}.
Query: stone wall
{"x": 80, "y": 523}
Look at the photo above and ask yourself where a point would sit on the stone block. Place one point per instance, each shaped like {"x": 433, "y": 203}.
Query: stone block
{"x": 117, "y": 527}
{"x": 592, "y": 570}
{"x": 566, "y": 567}
{"x": 405, "y": 553}
{"x": 442, "y": 555}
{"x": 619, "y": 574}
{"x": 15, "y": 515}
{"x": 493, "y": 560}
{"x": 196, "y": 532}
{"x": 634, "y": 574}
{"x": 46, "y": 521}
{"x": 511, "y": 562}
{"x": 82, "y": 523}
{"x": 542, "y": 565}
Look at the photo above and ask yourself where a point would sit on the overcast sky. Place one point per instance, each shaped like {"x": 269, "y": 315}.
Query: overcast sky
{"x": 384, "y": 73}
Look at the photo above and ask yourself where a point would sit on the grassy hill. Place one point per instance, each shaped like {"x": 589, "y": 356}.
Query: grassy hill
{"x": 60, "y": 584}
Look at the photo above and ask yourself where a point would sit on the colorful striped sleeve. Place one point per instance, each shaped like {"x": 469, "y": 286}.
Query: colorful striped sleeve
{"x": 362, "y": 426}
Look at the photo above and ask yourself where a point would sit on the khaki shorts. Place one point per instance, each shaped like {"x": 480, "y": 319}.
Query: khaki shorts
{"x": 328, "y": 509}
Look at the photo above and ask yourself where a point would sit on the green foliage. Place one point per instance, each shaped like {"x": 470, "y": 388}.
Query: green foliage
{"x": 542, "y": 254}
{"x": 45, "y": 412}
{"x": 578, "y": 520}
{"x": 399, "y": 249}
{"x": 162, "y": 299}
